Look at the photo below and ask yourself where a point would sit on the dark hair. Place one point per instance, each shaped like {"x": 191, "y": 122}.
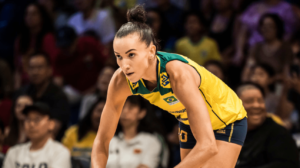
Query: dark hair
{"x": 41, "y": 54}
{"x": 254, "y": 85}
{"x": 269, "y": 70}
{"x": 13, "y": 136}
{"x": 1, "y": 127}
{"x": 278, "y": 23}
{"x": 1, "y": 89}
{"x": 136, "y": 18}
{"x": 85, "y": 125}
{"x": 47, "y": 26}
{"x": 146, "y": 124}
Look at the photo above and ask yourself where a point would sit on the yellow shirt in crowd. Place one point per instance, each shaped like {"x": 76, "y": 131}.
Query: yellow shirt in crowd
{"x": 206, "y": 49}
{"x": 77, "y": 148}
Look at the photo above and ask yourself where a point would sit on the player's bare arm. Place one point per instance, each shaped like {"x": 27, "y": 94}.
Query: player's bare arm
{"x": 185, "y": 82}
{"x": 118, "y": 91}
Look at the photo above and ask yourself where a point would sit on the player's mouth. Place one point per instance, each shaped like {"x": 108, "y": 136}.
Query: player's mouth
{"x": 129, "y": 74}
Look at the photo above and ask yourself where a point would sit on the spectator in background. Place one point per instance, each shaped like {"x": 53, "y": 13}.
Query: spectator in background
{"x": 263, "y": 75}
{"x": 15, "y": 133}
{"x": 196, "y": 45}
{"x": 248, "y": 32}
{"x": 135, "y": 143}
{"x": 79, "y": 62}
{"x": 41, "y": 151}
{"x": 6, "y": 78}
{"x": 59, "y": 17}
{"x": 267, "y": 144}
{"x": 1, "y": 142}
{"x": 101, "y": 90}
{"x": 41, "y": 88}
{"x": 79, "y": 138}
{"x": 172, "y": 14}
{"x": 91, "y": 19}
{"x": 216, "y": 68}
{"x": 161, "y": 29}
{"x": 36, "y": 36}
{"x": 272, "y": 50}
{"x": 5, "y": 105}
{"x": 222, "y": 24}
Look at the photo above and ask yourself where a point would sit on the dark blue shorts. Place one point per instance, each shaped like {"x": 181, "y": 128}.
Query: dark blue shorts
{"x": 234, "y": 133}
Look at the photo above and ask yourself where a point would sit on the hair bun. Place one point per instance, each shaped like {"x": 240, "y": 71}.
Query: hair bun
{"x": 137, "y": 14}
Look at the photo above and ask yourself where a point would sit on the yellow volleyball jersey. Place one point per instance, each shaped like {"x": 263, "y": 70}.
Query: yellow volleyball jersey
{"x": 201, "y": 52}
{"x": 223, "y": 104}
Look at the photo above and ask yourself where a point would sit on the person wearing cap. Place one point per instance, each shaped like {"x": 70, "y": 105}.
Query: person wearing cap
{"x": 41, "y": 150}
{"x": 79, "y": 61}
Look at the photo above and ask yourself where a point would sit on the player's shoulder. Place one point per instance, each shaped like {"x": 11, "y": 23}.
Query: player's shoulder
{"x": 119, "y": 82}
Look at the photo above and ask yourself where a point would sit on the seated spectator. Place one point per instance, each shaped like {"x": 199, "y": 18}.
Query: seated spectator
{"x": 5, "y": 105}
{"x": 79, "y": 61}
{"x": 36, "y": 36}
{"x": 6, "y": 77}
{"x": 263, "y": 75}
{"x": 41, "y": 151}
{"x": 267, "y": 144}
{"x": 15, "y": 132}
{"x": 216, "y": 68}
{"x": 161, "y": 29}
{"x": 272, "y": 50}
{"x": 222, "y": 25}
{"x": 101, "y": 90}
{"x": 248, "y": 32}
{"x": 79, "y": 138}
{"x": 196, "y": 45}
{"x": 91, "y": 19}
{"x": 59, "y": 17}
{"x": 135, "y": 143}
{"x": 41, "y": 88}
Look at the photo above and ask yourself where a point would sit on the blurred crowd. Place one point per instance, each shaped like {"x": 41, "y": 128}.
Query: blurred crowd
{"x": 56, "y": 61}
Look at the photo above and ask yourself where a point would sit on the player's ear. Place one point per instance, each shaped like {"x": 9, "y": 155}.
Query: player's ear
{"x": 152, "y": 51}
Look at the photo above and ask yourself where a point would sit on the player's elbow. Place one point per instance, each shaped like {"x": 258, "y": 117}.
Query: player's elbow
{"x": 213, "y": 150}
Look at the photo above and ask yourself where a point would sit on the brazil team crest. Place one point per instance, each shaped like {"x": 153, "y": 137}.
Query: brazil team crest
{"x": 171, "y": 100}
{"x": 164, "y": 80}
{"x": 134, "y": 85}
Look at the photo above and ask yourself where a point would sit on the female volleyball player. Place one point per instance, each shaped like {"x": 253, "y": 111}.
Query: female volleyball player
{"x": 212, "y": 119}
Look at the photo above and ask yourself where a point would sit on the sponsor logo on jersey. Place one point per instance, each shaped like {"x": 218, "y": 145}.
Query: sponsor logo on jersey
{"x": 164, "y": 80}
{"x": 181, "y": 119}
{"x": 171, "y": 100}
{"x": 180, "y": 111}
{"x": 134, "y": 85}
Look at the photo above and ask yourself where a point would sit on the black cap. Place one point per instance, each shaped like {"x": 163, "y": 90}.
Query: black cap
{"x": 65, "y": 36}
{"x": 39, "y": 107}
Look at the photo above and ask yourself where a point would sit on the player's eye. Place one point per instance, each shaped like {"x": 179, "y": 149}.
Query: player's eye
{"x": 118, "y": 56}
{"x": 131, "y": 55}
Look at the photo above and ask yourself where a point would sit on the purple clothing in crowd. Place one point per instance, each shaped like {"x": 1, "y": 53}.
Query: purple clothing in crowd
{"x": 250, "y": 18}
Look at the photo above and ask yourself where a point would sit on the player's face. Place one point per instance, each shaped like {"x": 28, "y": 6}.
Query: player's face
{"x": 133, "y": 56}
{"x": 104, "y": 78}
{"x": 254, "y": 104}
{"x": 260, "y": 77}
{"x": 96, "y": 115}
{"x": 37, "y": 126}
{"x": 131, "y": 115}
{"x": 21, "y": 103}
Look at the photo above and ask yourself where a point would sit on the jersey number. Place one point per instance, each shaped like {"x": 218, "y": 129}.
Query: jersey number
{"x": 182, "y": 136}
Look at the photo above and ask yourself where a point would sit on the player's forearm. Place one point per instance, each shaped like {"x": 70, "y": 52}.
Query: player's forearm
{"x": 198, "y": 156}
{"x": 99, "y": 155}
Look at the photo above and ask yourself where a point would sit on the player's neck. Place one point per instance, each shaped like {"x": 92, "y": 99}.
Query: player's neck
{"x": 151, "y": 75}
{"x": 37, "y": 144}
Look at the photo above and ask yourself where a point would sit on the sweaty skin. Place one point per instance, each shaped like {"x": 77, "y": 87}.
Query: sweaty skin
{"x": 137, "y": 60}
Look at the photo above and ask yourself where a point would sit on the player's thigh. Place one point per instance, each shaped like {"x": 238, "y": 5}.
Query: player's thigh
{"x": 184, "y": 153}
{"x": 226, "y": 157}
